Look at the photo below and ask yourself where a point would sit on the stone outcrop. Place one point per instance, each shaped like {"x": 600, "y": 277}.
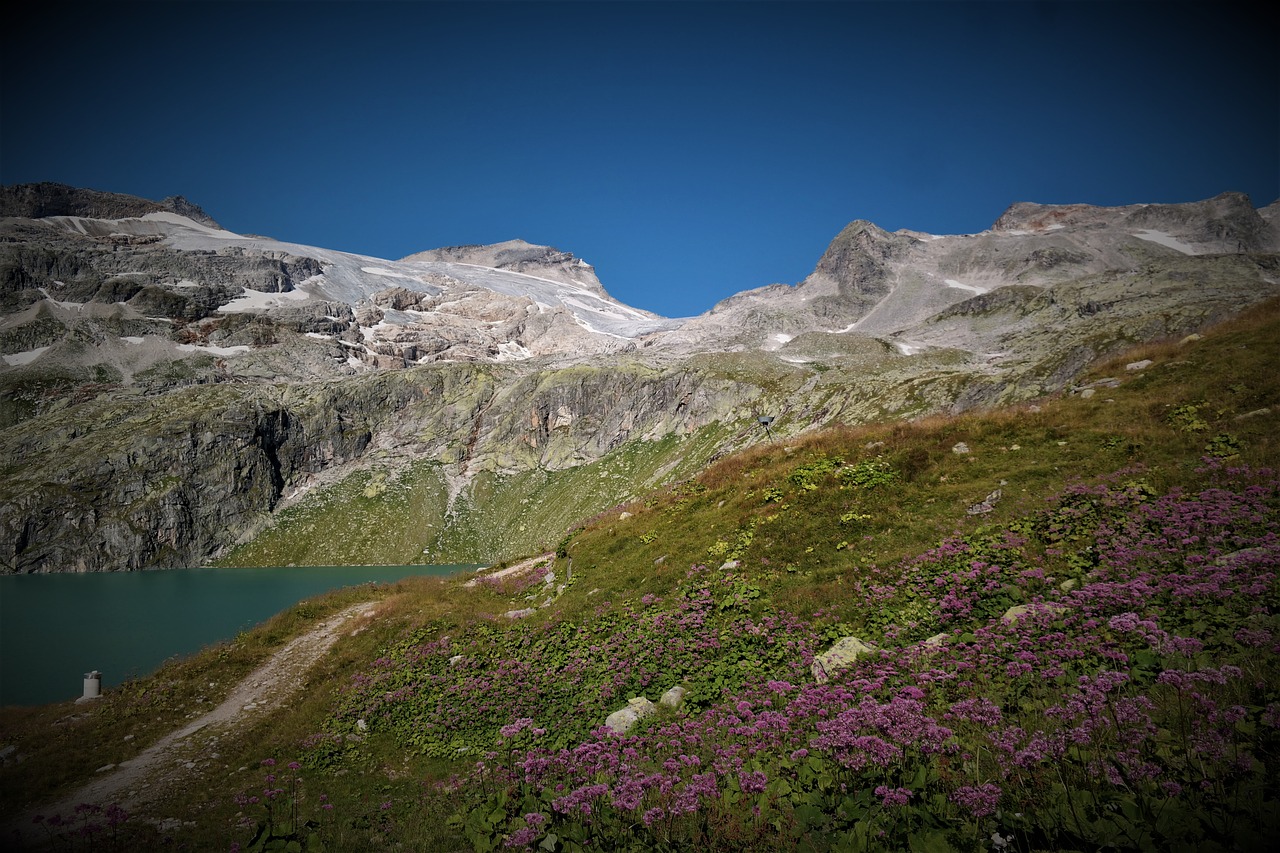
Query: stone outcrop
{"x": 140, "y": 488}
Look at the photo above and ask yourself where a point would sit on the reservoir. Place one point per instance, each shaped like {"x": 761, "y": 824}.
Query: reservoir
{"x": 54, "y": 628}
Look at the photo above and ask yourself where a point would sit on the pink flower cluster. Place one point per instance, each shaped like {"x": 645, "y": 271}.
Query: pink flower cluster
{"x": 1119, "y": 683}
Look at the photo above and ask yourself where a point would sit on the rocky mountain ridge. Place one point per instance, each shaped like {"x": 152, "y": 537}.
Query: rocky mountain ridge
{"x": 885, "y": 284}
{"x": 38, "y": 201}
{"x": 173, "y": 393}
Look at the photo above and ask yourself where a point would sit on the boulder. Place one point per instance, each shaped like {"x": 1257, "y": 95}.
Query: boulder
{"x": 673, "y": 698}
{"x": 623, "y": 720}
{"x": 844, "y": 652}
{"x": 1013, "y": 614}
{"x": 1243, "y": 555}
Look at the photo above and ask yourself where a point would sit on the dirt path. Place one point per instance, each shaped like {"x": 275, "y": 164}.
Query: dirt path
{"x": 518, "y": 569}
{"x": 136, "y": 782}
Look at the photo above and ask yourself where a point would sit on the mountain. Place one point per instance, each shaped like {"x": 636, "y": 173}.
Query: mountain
{"x": 174, "y": 393}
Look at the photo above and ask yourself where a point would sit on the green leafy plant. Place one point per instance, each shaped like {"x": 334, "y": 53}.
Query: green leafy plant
{"x": 868, "y": 474}
{"x": 1224, "y": 445}
{"x": 1188, "y": 418}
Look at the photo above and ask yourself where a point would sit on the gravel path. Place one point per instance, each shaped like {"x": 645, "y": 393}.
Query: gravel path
{"x": 136, "y": 782}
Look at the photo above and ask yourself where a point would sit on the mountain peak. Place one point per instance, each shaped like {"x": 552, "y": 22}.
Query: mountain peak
{"x": 519, "y": 256}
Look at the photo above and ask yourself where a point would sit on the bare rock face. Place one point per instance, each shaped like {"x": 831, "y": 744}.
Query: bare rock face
{"x": 1224, "y": 223}
{"x": 858, "y": 263}
{"x": 35, "y": 201}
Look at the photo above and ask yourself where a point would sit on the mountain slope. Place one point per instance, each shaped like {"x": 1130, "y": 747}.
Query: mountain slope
{"x": 172, "y": 391}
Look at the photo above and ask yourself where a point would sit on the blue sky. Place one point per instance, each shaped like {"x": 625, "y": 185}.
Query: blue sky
{"x": 687, "y": 150}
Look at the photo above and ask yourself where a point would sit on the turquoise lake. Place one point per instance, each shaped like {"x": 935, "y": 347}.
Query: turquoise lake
{"x": 54, "y": 628}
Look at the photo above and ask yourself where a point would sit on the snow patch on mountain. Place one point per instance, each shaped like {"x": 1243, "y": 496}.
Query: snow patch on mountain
{"x": 15, "y": 359}
{"x": 256, "y": 300}
{"x": 221, "y": 351}
{"x": 1166, "y": 240}
{"x": 960, "y": 285}
{"x": 777, "y": 341}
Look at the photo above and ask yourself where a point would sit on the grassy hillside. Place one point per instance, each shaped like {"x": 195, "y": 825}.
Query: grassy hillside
{"x": 403, "y": 516}
{"x": 1130, "y": 702}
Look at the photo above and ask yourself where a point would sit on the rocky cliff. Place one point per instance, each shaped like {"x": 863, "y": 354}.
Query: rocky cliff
{"x": 37, "y": 201}
{"x": 172, "y": 393}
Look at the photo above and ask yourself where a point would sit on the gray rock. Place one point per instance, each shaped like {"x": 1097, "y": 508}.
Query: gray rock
{"x": 1138, "y": 365}
{"x": 520, "y": 614}
{"x": 960, "y": 447}
{"x": 1013, "y": 614}
{"x": 625, "y": 719}
{"x": 987, "y": 504}
{"x": 839, "y": 656}
{"x": 673, "y": 698}
{"x": 1243, "y": 555}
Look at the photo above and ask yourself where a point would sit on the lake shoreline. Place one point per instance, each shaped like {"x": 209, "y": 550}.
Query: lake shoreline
{"x": 56, "y": 627}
